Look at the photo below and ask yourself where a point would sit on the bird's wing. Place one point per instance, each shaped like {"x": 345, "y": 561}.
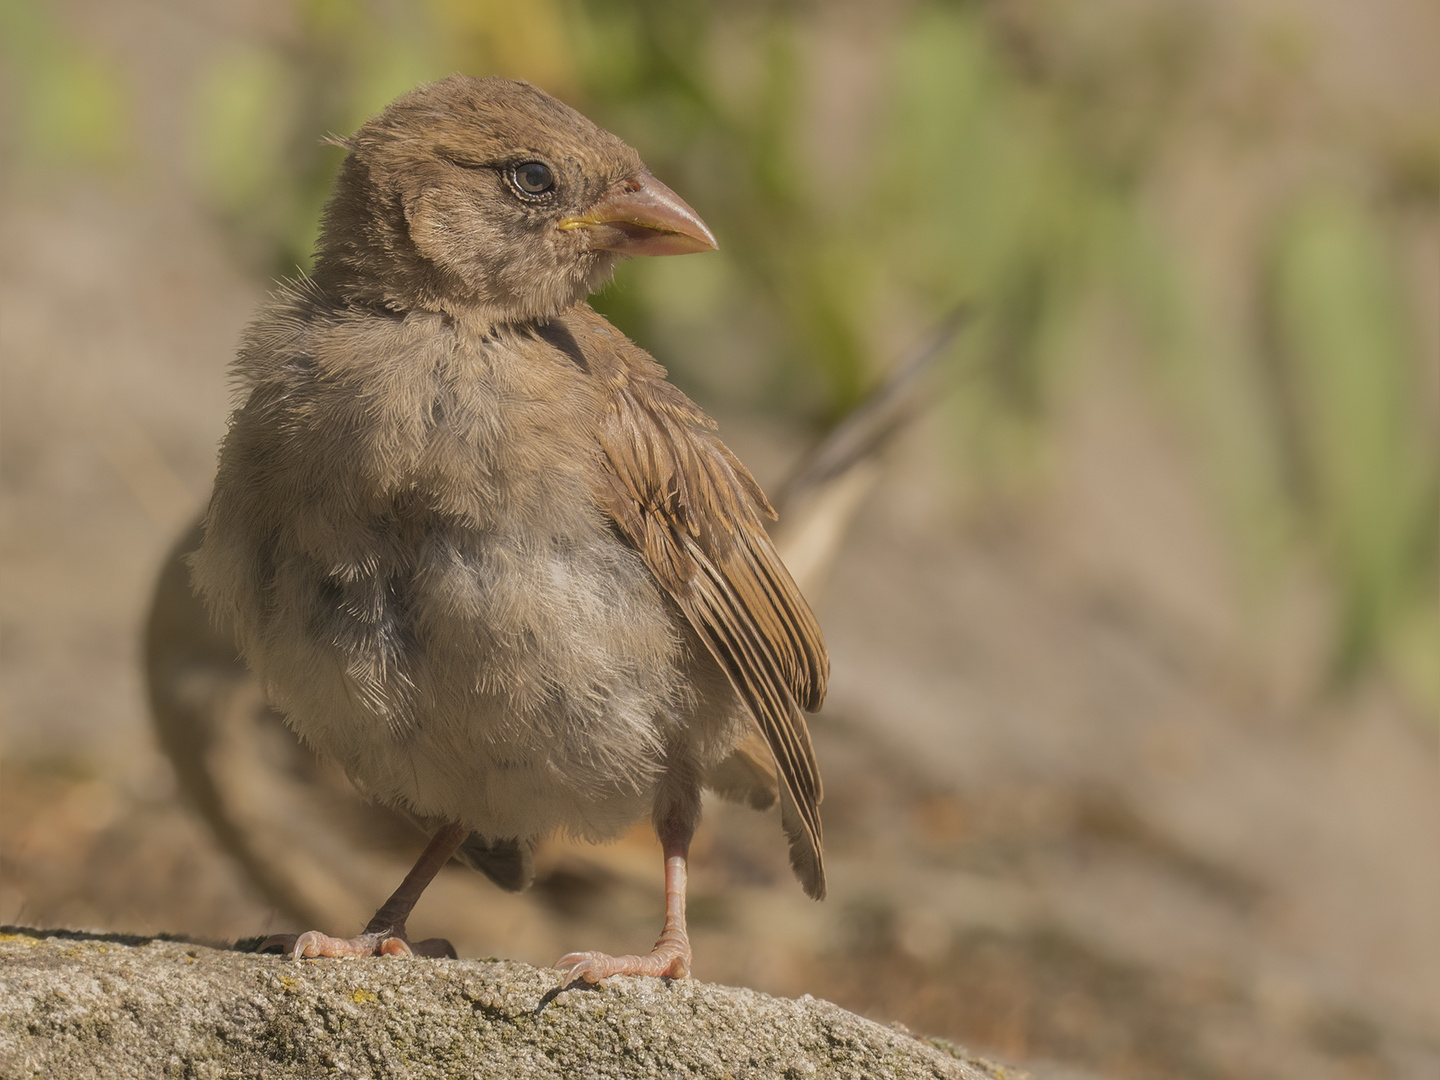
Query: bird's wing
{"x": 689, "y": 507}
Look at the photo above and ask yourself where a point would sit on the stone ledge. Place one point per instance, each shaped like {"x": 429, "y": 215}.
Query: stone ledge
{"x": 80, "y": 1005}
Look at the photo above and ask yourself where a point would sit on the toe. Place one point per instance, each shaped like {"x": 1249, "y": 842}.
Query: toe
{"x": 394, "y": 946}
{"x": 594, "y": 966}
{"x": 313, "y": 943}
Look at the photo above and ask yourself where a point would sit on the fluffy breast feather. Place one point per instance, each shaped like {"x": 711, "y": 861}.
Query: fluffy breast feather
{"x": 404, "y": 541}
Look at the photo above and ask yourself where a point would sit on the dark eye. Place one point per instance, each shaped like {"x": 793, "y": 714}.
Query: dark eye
{"x": 532, "y": 178}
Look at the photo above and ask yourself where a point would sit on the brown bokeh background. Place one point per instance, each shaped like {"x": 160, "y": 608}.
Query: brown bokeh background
{"x": 1130, "y": 754}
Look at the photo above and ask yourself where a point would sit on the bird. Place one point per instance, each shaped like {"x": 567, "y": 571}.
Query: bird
{"x": 475, "y": 546}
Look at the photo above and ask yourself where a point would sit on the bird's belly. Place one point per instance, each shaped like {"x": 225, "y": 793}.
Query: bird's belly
{"x": 517, "y": 680}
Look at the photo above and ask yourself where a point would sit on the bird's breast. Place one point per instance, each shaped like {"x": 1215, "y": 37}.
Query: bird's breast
{"x": 435, "y": 597}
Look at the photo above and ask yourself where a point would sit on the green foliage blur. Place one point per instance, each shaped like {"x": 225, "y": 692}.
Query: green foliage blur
{"x": 998, "y": 154}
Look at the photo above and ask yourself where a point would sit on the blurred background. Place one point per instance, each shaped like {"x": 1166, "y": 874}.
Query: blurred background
{"x": 1131, "y": 750}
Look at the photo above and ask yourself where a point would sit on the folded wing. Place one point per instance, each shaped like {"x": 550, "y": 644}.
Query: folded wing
{"x": 690, "y": 508}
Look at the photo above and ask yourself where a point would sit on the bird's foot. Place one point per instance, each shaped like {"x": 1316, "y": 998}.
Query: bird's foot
{"x": 313, "y": 943}
{"x": 670, "y": 959}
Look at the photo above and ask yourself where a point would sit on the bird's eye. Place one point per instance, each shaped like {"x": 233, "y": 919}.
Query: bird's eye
{"x": 532, "y": 178}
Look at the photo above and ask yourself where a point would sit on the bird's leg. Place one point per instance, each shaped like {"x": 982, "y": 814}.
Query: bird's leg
{"x": 384, "y": 935}
{"x": 670, "y": 959}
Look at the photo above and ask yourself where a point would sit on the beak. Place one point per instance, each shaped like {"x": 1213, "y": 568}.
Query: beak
{"x": 641, "y": 216}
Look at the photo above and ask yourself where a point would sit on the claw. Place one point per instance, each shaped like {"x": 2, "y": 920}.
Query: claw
{"x": 277, "y": 943}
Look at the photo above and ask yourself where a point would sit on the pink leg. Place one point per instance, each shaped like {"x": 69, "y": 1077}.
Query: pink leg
{"x": 384, "y": 935}
{"x": 670, "y": 959}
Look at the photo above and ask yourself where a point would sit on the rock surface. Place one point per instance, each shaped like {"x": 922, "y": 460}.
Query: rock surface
{"x": 77, "y": 1005}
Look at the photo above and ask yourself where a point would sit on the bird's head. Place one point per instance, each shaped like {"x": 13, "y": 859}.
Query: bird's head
{"x": 489, "y": 195}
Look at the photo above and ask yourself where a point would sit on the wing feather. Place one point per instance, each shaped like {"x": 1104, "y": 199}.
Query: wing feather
{"x": 692, "y": 510}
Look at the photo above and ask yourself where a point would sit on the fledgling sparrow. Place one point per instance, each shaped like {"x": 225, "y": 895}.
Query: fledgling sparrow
{"x": 475, "y": 546}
